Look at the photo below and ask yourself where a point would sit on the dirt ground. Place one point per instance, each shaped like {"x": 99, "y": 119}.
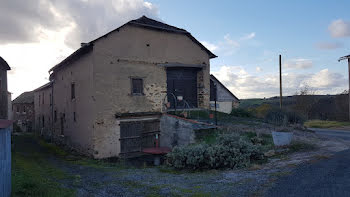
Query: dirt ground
{"x": 89, "y": 178}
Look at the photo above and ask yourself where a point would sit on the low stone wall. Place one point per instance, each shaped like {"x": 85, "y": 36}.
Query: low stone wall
{"x": 177, "y": 131}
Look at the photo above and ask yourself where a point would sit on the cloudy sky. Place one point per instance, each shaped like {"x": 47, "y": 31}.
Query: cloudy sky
{"x": 247, "y": 36}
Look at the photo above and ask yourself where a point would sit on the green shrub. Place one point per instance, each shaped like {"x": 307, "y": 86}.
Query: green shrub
{"x": 282, "y": 117}
{"x": 239, "y": 112}
{"x": 230, "y": 151}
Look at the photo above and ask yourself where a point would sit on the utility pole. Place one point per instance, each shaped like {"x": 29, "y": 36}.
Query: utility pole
{"x": 348, "y": 58}
{"x": 280, "y": 58}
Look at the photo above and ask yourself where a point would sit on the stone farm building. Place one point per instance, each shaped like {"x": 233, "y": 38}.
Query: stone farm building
{"x": 23, "y": 111}
{"x": 116, "y": 88}
{"x": 43, "y": 109}
{"x": 4, "y": 94}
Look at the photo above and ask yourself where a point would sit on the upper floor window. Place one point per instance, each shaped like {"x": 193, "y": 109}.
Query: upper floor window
{"x": 43, "y": 97}
{"x": 39, "y": 99}
{"x": 50, "y": 99}
{"x": 72, "y": 88}
{"x": 137, "y": 86}
{"x": 24, "y": 108}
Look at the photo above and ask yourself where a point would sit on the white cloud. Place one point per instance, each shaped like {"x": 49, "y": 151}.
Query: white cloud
{"x": 298, "y": 63}
{"x": 230, "y": 41}
{"x": 258, "y": 69}
{"x": 339, "y": 28}
{"x": 248, "y": 36}
{"x": 39, "y": 33}
{"x": 210, "y": 46}
{"x": 328, "y": 45}
{"x": 245, "y": 85}
{"x": 325, "y": 79}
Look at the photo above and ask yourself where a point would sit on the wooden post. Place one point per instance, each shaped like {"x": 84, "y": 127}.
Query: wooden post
{"x": 349, "y": 84}
{"x": 280, "y": 58}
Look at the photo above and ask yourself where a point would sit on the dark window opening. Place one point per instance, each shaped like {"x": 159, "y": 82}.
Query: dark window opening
{"x": 43, "y": 121}
{"x": 24, "y": 108}
{"x": 72, "y": 88}
{"x": 39, "y": 99}
{"x": 55, "y": 116}
{"x": 50, "y": 100}
{"x": 74, "y": 117}
{"x": 137, "y": 86}
{"x": 43, "y": 97}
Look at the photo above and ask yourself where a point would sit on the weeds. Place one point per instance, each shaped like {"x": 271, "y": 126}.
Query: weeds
{"x": 32, "y": 175}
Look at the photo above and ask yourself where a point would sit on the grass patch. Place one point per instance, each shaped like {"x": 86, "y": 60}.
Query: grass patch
{"x": 51, "y": 148}
{"x": 325, "y": 124}
{"x": 32, "y": 175}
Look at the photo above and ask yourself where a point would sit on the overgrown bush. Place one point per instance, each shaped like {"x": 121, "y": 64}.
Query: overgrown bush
{"x": 262, "y": 110}
{"x": 282, "y": 117}
{"x": 239, "y": 112}
{"x": 230, "y": 151}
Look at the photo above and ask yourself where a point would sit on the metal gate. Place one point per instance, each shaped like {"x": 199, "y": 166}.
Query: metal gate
{"x": 136, "y": 135}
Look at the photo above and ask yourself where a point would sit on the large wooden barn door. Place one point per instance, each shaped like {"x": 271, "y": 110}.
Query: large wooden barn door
{"x": 182, "y": 82}
{"x": 136, "y": 135}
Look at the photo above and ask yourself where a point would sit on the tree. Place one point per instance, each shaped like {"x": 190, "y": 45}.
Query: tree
{"x": 305, "y": 99}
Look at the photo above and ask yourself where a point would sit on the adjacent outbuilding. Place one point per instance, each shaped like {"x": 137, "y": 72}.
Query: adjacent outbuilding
{"x": 225, "y": 99}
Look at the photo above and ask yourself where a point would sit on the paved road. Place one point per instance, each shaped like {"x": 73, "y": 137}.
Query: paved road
{"x": 345, "y": 135}
{"x": 328, "y": 177}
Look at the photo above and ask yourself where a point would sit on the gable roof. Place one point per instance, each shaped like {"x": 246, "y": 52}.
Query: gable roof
{"x": 47, "y": 85}
{"x": 4, "y": 64}
{"x": 25, "y": 97}
{"x": 143, "y": 22}
{"x": 212, "y": 77}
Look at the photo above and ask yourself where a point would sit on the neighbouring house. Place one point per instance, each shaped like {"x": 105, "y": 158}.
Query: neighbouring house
{"x": 4, "y": 67}
{"x": 110, "y": 96}
{"x": 225, "y": 100}
{"x": 23, "y": 112}
{"x": 43, "y": 110}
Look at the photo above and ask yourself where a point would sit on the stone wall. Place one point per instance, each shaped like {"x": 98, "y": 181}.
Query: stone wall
{"x": 176, "y": 131}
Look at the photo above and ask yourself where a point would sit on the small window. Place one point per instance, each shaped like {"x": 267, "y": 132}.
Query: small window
{"x": 74, "y": 117}
{"x": 43, "y": 121}
{"x": 24, "y": 109}
{"x": 39, "y": 99}
{"x": 17, "y": 109}
{"x": 72, "y": 88}
{"x": 137, "y": 86}
{"x": 50, "y": 99}
{"x": 43, "y": 97}
{"x": 55, "y": 116}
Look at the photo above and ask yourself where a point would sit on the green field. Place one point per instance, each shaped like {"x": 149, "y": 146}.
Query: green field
{"x": 325, "y": 124}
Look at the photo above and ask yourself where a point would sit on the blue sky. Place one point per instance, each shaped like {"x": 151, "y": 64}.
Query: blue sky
{"x": 294, "y": 29}
{"x": 247, "y": 36}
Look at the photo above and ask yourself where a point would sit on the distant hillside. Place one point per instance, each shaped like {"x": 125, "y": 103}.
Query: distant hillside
{"x": 275, "y": 101}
